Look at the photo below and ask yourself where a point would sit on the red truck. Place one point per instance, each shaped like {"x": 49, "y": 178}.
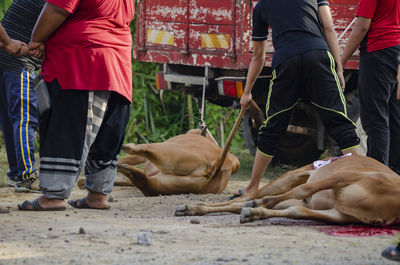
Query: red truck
{"x": 205, "y": 49}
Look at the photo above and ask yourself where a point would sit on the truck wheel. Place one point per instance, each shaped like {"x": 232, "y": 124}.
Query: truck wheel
{"x": 294, "y": 149}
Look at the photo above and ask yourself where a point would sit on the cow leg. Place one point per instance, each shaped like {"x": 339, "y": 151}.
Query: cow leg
{"x": 137, "y": 177}
{"x": 300, "y": 192}
{"x": 132, "y": 160}
{"x": 296, "y": 212}
{"x": 284, "y": 183}
{"x": 281, "y": 184}
{"x": 186, "y": 210}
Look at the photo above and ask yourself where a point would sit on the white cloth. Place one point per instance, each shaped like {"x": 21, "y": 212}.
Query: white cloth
{"x": 320, "y": 163}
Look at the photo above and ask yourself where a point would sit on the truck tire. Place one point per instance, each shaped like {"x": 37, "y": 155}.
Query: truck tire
{"x": 294, "y": 149}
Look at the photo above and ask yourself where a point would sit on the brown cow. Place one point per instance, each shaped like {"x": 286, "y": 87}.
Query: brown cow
{"x": 187, "y": 163}
{"x": 351, "y": 189}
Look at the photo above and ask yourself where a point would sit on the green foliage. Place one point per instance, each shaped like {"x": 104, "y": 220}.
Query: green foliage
{"x": 4, "y": 4}
{"x": 155, "y": 116}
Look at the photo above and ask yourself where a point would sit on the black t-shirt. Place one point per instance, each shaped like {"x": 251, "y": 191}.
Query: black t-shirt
{"x": 18, "y": 22}
{"x": 295, "y": 25}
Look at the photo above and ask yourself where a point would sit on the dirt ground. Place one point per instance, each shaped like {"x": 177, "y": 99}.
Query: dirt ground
{"x": 112, "y": 237}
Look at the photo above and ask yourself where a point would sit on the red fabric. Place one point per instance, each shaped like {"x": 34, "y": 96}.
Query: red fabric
{"x": 384, "y": 31}
{"x": 92, "y": 48}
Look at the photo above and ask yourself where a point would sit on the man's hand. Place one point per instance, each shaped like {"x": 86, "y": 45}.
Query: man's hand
{"x": 245, "y": 100}
{"x": 341, "y": 79}
{"x": 15, "y": 47}
{"x": 37, "y": 49}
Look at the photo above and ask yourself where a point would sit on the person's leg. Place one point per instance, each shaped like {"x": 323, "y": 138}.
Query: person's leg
{"x": 24, "y": 117}
{"x": 375, "y": 82}
{"x": 394, "y": 124}
{"x": 278, "y": 112}
{"x": 101, "y": 162}
{"x": 62, "y": 136}
{"x": 325, "y": 93}
{"x": 7, "y": 128}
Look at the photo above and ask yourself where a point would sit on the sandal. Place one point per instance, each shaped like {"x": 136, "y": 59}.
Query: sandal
{"x": 4, "y": 210}
{"x": 82, "y": 204}
{"x": 392, "y": 252}
{"x": 37, "y": 207}
{"x": 234, "y": 196}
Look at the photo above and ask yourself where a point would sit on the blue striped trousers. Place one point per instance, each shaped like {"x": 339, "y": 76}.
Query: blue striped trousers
{"x": 18, "y": 121}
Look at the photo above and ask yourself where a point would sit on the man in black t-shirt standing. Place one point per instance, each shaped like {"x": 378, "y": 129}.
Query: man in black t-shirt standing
{"x": 18, "y": 108}
{"x": 306, "y": 51}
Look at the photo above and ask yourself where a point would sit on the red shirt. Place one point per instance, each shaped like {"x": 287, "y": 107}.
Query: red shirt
{"x": 384, "y": 31}
{"x": 92, "y": 49}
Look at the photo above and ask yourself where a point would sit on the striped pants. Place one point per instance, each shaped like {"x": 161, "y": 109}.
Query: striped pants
{"x": 82, "y": 129}
{"x": 18, "y": 121}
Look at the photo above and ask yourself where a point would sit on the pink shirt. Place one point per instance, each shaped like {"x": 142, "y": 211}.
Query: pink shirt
{"x": 92, "y": 49}
{"x": 384, "y": 31}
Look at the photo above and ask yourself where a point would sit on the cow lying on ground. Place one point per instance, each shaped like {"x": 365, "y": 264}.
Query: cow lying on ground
{"x": 186, "y": 163}
{"x": 351, "y": 189}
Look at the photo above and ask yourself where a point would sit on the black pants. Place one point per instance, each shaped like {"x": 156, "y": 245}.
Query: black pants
{"x": 380, "y": 110}
{"x": 310, "y": 76}
{"x": 83, "y": 129}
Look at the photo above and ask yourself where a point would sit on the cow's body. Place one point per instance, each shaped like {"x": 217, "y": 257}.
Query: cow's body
{"x": 186, "y": 163}
{"x": 351, "y": 189}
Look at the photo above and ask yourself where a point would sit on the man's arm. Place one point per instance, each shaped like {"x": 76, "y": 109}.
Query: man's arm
{"x": 331, "y": 39}
{"x": 11, "y": 46}
{"x": 48, "y": 22}
{"x": 256, "y": 65}
{"x": 361, "y": 28}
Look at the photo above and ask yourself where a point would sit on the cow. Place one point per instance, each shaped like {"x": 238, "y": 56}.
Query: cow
{"x": 351, "y": 189}
{"x": 186, "y": 163}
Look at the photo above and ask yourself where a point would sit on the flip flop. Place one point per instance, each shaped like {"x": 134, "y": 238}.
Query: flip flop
{"x": 234, "y": 196}
{"x": 82, "y": 204}
{"x": 37, "y": 207}
{"x": 392, "y": 253}
{"x": 4, "y": 210}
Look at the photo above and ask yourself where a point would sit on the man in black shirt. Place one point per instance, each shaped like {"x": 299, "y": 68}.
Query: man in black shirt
{"x": 306, "y": 51}
{"x": 18, "y": 108}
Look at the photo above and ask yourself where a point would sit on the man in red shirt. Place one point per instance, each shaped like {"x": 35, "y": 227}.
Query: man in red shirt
{"x": 87, "y": 68}
{"x": 377, "y": 29}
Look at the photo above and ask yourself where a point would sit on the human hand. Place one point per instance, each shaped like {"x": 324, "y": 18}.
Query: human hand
{"x": 341, "y": 80}
{"x": 36, "y": 49}
{"x": 15, "y": 47}
{"x": 245, "y": 100}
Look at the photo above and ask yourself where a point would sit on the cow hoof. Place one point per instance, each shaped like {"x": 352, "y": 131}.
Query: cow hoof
{"x": 251, "y": 204}
{"x": 182, "y": 210}
{"x": 246, "y": 216}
